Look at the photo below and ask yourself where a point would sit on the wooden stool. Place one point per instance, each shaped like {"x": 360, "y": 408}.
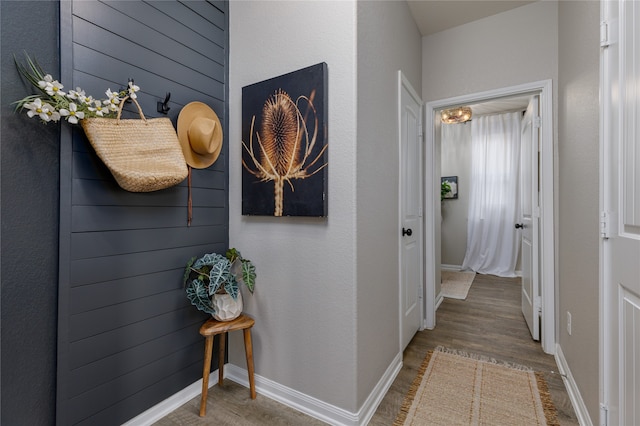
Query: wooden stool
{"x": 213, "y": 327}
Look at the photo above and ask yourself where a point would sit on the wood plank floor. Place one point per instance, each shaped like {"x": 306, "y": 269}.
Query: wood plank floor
{"x": 488, "y": 322}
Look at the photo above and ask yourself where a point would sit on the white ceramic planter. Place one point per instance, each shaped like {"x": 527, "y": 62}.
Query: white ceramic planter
{"x": 226, "y": 308}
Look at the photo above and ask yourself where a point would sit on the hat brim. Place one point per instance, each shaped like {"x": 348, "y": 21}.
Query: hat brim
{"x": 187, "y": 115}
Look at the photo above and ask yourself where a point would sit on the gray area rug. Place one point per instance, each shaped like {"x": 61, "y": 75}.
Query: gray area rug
{"x": 456, "y": 284}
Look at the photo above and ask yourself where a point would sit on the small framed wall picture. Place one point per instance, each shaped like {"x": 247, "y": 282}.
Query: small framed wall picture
{"x": 449, "y": 188}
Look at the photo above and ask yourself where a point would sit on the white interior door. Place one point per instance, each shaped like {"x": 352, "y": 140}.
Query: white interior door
{"x": 410, "y": 125}
{"x": 530, "y": 220}
{"x": 620, "y": 216}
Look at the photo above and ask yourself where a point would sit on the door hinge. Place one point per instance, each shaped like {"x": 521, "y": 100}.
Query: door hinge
{"x": 608, "y": 32}
{"x": 537, "y": 305}
{"x": 604, "y": 415}
{"x": 604, "y": 34}
{"x": 607, "y": 224}
{"x": 603, "y": 225}
{"x": 420, "y": 130}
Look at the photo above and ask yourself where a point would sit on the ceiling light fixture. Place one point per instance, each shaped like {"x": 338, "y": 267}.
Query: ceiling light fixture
{"x": 456, "y": 115}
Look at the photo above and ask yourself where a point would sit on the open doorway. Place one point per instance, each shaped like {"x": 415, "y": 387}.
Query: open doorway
{"x": 545, "y": 248}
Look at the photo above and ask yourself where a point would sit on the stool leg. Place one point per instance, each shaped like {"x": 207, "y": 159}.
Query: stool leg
{"x": 221, "y": 358}
{"x": 248, "y": 348}
{"x": 208, "y": 347}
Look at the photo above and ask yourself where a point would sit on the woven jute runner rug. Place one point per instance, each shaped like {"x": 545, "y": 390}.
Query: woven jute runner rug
{"x": 458, "y": 388}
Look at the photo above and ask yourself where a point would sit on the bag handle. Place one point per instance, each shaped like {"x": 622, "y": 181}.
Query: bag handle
{"x": 122, "y": 105}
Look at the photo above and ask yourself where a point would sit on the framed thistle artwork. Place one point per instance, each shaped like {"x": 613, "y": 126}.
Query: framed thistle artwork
{"x": 284, "y": 144}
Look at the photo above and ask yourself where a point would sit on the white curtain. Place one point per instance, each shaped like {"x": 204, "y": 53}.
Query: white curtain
{"x": 494, "y": 209}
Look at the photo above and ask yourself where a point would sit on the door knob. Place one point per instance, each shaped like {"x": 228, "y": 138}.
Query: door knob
{"x": 406, "y": 232}
{"x": 519, "y": 225}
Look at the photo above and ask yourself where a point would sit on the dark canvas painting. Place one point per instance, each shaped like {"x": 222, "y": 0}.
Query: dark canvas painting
{"x": 284, "y": 139}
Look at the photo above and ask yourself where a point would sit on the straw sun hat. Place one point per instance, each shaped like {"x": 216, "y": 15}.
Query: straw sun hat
{"x": 200, "y": 135}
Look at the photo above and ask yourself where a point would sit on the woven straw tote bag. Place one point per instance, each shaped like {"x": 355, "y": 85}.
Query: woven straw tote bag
{"x": 143, "y": 154}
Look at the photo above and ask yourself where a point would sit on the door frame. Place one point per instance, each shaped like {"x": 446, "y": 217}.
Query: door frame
{"x": 547, "y": 175}
{"x": 403, "y": 82}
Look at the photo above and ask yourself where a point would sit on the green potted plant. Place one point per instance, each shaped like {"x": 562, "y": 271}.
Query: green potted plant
{"x": 213, "y": 282}
{"x": 445, "y": 188}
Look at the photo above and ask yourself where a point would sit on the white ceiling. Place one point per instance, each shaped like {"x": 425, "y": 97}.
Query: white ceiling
{"x": 433, "y": 16}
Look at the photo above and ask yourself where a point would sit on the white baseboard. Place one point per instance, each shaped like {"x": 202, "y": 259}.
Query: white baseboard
{"x": 314, "y": 407}
{"x": 170, "y": 404}
{"x": 572, "y": 389}
{"x": 439, "y": 300}
{"x": 378, "y": 393}
{"x": 327, "y": 412}
{"x": 451, "y": 267}
{"x": 287, "y": 396}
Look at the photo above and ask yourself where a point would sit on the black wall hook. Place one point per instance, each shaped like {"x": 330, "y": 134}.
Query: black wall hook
{"x": 163, "y": 107}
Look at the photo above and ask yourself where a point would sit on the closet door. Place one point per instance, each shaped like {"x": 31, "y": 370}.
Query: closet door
{"x": 620, "y": 221}
{"x": 411, "y": 242}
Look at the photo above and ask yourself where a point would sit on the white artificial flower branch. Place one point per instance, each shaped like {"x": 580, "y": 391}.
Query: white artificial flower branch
{"x": 53, "y": 104}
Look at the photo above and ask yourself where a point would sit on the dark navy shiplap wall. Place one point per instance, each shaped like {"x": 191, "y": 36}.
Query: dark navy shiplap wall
{"x": 128, "y": 337}
{"x": 29, "y": 191}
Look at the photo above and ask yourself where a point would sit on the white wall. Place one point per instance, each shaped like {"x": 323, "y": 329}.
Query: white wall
{"x": 557, "y": 40}
{"x": 323, "y": 282}
{"x": 305, "y": 300}
{"x": 326, "y": 300}
{"x": 388, "y": 40}
{"x": 578, "y": 144}
{"x": 511, "y": 48}
{"x": 456, "y": 161}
